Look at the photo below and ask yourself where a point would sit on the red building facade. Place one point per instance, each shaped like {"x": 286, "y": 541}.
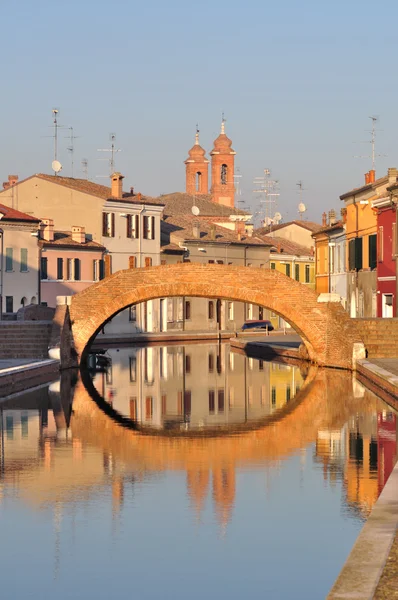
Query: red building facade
{"x": 386, "y": 262}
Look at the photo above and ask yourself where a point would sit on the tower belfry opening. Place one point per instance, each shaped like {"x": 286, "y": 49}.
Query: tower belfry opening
{"x": 197, "y": 169}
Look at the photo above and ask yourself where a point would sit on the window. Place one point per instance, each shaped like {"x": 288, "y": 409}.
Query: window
{"x": 132, "y": 262}
{"x": 187, "y": 403}
{"x": 219, "y": 364}
{"x": 133, "y": 313}
{"x": 212, "y": 404}
{"x": 355, "y": 254}
{"x": 179, "y": 403}
{"x": 170, "y": 310}
{"x": 250, "y": 312}
{"x": 187, "y": 363}
{"x": 108, "y": 265}
{"x": 133, "y": 408}
{"x": 273, "y": 395}
{"x": 230, "y": 311}
{"x": 108, "y": 224}
{"x": 373, "y": 251}
{"x": 287, "y": 269}
{"x": 187, "y": 310}
{"x": 231, "y": 397}
{"x": 148, "y": 407}
{"x": 133, "y": 368}
{"x": 273, "y": 266}
{"x": 43, "y": 267}
{"x": 60, "y": 268}
{"x": 133, "y": 226}
{"x": 180, "y": 309}
{"x": 211, "y": 310}
{"x": 331, "y": 259}
{"x": 307, "y": 273}
{"x": 380, "y": 244}
{"x": 297, "y": 272}
{"x": 198, "y": 182}
{"x": 164, "y": 404}
{"x": 95, "y": 270}
{"x": 69, "y": 269}
{"x": 149, "y": 228}
{"x": 77, "y": 269}
{"x": 288, "y": 393}
{"x": 211, "y": 363}
{"x": 9, "y": 304}
{"x": 221, "y": 401}
{"x": 24, "y": 425}
{"x": 24, "y": 260}
{"x": 101, "y": 269}
{"x": 260, "y": 313}
{"x": 148, "y": 261}
{"x": 9, "y": 259}
{"x": 224, "y": 172}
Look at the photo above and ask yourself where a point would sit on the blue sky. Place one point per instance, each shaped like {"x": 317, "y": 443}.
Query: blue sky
{"x": 297, "y": 82}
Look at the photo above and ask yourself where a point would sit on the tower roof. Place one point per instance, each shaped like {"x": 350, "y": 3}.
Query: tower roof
{"x": 196, "y": 153}
{"x": 222, "y": 144}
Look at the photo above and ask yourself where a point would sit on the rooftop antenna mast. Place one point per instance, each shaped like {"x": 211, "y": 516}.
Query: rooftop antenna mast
{"x": 56, "y": 165}
{"x": 71, "y": 147}
{"x": 113, "y": 150}
{"x": 301, "y": 207}
{"x": 372, "y": 142}
{"x": 84, "y": 164}
{"x": 238, "y": 191}
{"x": 268, "y": 191}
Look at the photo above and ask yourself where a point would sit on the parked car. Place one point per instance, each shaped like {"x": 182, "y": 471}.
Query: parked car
{"x": 258, "y": 325}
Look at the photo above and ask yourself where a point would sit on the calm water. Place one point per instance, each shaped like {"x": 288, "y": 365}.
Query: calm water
{"x": 250, "y": 479}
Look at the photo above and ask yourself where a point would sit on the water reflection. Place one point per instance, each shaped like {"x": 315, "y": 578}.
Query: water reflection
{"x": 193, "y": 387}
{"x": 263, "y": 500}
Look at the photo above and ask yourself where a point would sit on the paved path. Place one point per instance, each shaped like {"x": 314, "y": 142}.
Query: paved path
{"x": 389, "y": 364}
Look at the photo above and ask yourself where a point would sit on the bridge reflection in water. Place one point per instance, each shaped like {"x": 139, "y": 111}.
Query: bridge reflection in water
{"x": 60, "y": 449}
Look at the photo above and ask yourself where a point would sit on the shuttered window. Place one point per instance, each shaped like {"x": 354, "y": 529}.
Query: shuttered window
{"x": 132, "y": 262}
{"x": 24, "y": 260}
{"x": 101, "y": 269}
{"x": 380, "y": 244}
{"x": 43, "y": 267}
{"x": 297, "y": 272}
{"x": 77, "y": 269}
{"x": 373, "y": 251}
{"x": 9, "y": 259}
{"x": 351, "y": 255}
{"x": 358, "y": 253}
{"x": 60, "y": 268}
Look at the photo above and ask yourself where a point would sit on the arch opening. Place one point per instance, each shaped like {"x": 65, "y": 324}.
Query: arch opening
{"x": 198, "y": 181}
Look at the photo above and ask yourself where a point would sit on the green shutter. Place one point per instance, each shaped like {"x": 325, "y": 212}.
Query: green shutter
{"x": 24, "y": 260}
{"x": 358, "y": 253}
{"x": 43, "y": 267}
{"x": 373, "y": 251}
{"x": 351, "y": 255}
{"x": 9, "y": 259}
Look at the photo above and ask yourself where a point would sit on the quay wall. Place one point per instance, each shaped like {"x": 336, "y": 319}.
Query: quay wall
{"x": 24, "y": 339}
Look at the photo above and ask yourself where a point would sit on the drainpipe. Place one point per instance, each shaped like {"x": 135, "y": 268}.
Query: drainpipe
{"x": 1, "y": 272}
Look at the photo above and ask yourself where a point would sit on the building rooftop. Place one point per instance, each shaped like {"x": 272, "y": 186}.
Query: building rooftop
{"x": 364, "y": 188}
{"x": 309, "y": 225}
{"x": 283, "y": 246}
{"x": 10, "y": 214}
{"x": 180, "y": 203}
{"x": 180, "y": 228}
{"x": 330, "y": 227}
{"x": 64, "y": 239}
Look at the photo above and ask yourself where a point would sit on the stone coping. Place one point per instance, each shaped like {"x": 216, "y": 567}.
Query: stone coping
{"x": 363, "y": 568}
{"x": 35, "y": 364}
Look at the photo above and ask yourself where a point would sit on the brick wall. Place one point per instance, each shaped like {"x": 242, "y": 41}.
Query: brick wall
{"x": 326, "y": 329}
{"x": 24, "y": 339}
{"x": 380, "y": 336}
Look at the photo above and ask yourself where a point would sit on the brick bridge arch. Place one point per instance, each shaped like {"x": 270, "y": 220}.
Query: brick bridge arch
{"x": 325, "y": 328}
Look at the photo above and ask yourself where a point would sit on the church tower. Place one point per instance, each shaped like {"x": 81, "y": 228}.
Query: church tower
{"x": 197, "y": 169}
{"x": 222, "y": 170}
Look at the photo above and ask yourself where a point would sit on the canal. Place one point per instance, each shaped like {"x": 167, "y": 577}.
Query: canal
{"x": 188, "y": 470}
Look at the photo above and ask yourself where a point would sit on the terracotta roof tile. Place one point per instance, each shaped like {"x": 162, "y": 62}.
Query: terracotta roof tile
{"x": 64, "y": 238}
{"x": 310, "y": 225}
{"x": 284, "y": 246}
{"x": 10, "y": 214}
{"x": 180, "y": 203}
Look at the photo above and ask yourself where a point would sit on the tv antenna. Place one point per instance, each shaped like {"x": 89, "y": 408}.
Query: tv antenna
{"x": 56, "y": 165}
{"x": 84, "y": 164}
{"x": 301, "y": 207}
{"x": 238, "y": 190}
{"x": 372, "y": 142}
{"x": 113, "y": 150}
{"x": 267, "y": 190}
{"x": 71, "y": 147}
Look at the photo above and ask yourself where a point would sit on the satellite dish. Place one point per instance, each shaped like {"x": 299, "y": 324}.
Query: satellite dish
{"x": 277, "y": 217}
{"x": 56, "y": 166}
{"x": 195, "y": 211}
{"x": 301, "y": 207}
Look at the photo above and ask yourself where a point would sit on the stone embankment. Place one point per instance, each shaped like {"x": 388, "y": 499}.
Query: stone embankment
{"x": 24, "y": 339}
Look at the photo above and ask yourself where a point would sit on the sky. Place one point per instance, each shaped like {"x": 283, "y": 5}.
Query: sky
{"x": 297, "y": 82}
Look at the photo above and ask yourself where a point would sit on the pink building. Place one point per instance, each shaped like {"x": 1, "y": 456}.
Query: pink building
{"x": 386, "y": 267}
{"x": 69, "y": 261}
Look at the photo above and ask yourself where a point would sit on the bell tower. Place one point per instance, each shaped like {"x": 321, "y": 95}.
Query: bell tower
{"x": 222, "y": 170}
{"x": 197, "y": 169}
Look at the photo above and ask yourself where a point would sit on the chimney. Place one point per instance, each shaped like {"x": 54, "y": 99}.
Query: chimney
{"x": 343, "y": 213}
{"x": 6, "y": 185}
{"x": 196, "y": 230}
{"x": 392, "y": 175}
{"x": 332, "y": 216}
{"x": 12, "y": 179}
{"x": 47, "y": 230}
{"x": 239, "y": 227}
{"x": 212, "y": 232}
{"x": 372, "y": 176}
{"x": 239, "y": 236}
{"x": 78, "y": 234}
{"x": 324, "y": 215}
{"x": 117, "y": 185}
{"x": 249, "y": 229}
{"x": 132, "y": 191}
{"x": 366, "y": 178}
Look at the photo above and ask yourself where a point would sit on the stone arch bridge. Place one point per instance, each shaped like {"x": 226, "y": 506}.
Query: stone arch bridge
{"x": 327, "y": 331}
